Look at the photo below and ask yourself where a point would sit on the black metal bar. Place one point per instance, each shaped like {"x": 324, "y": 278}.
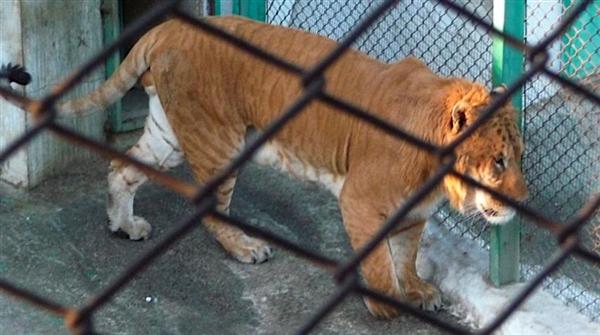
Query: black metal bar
{"x": 134, "y": 30}
{"x": 356, "y": 111}
{"x": 340, "y": 294}
{"x": 344, "y": 45}
{"x": 264, "y": 234}
{"x": 572, "y": 227}
{"x": 187, "y": 189}
{"x": 566, "y": 21}
{"x": 239, "y": 43}
{"x": 391, "y": 223}
{"x": 536, "y": 281}
{"x": 310, "y": 93}
{"x": 537, "y": 217}
{"x": 33, "y": 298}
{"x": 514, "y": 42}
{"x": 587, "y": 255}
{"x": 496, "y": 104}
{"x": 25, "y": 138}
{"x": 14, "y": 97}
{"x": 313, "y": 79}
{"x": 142, "y": 262}
{"x": 574, "y": 86}
{"x": 412, "y": 310}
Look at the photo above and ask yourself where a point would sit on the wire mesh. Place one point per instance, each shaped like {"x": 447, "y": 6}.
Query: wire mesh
{"x": 562, "y": 141}
{"x": 79, "y": 319}
{"x": 447, "y": 42}
{"x": 556, "y": 121}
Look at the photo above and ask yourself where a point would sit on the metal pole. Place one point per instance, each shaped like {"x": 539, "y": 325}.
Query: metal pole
{"x": 507, "y": 66}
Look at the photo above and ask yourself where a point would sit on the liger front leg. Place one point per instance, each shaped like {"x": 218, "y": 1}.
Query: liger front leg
{"x": 362, "y": 222}
{"x": 405, "y": 245}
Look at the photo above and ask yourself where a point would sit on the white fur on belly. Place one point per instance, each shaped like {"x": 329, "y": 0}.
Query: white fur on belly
{"x": 275, "y": 155}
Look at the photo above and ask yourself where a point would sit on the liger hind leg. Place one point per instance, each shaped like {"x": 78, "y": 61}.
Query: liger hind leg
{"x": 211, "y": 135}
{"x": 206, "y": 160}
{"x": 157, "y": 147}
{"x": 404, "y": 246}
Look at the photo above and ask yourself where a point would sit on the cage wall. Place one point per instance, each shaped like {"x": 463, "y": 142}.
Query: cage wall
{"x": 79, "y": 317}
{"x": 450, "y": 44}
{"x": 561, "y": 160}
{"x": 560, "y": 130}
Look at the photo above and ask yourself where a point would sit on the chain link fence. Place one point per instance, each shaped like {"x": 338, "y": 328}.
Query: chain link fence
{"x": 447, "y": 42}
{"x": 367, "y": 24}
{"x": 562, "y": 146}
{"x": 560, "y": 128}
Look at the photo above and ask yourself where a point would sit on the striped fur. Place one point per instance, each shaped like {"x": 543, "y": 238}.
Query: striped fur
{"x": 205, "y": 94}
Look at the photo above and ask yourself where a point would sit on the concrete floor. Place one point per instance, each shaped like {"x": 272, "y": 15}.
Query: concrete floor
{"x": 54, "y": 240}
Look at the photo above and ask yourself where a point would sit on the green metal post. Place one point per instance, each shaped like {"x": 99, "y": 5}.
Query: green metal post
{"x": 507, "y": 65}
{"x": 218, "y": 8}
{"x": 580, "y": 37}
{"x": 254, "y": 9}
{"x": 111, "y": 22}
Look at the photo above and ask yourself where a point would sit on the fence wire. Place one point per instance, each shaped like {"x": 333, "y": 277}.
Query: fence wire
{"x": 562, "y": 147}
{"x": 79, "y": 319}
{"x": 447, "y": 42}
{"x": 560, "y": 127}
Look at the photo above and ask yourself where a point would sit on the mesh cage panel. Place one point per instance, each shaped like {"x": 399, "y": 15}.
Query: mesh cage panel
{"x": 560, "y": 132}
{"x": 448, "y": 43}
{"x": 452, "y": 45}
{"x": 562, "y": 144}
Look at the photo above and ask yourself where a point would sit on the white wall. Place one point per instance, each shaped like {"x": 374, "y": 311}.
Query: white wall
{"x": 51, "y": 38}
{"x": 12, "y": 120}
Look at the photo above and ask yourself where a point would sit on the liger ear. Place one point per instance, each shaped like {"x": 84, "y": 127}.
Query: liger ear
{"x": 498, "y": 90}
{"x": 458, "y": 119}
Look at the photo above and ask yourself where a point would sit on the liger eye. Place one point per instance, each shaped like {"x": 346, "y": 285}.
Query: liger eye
{"x": 500, "y": 163}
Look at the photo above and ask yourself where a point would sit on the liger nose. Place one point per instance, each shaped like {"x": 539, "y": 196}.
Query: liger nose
{"x": 519, "y": 189}
{"x": 522, "y": 196}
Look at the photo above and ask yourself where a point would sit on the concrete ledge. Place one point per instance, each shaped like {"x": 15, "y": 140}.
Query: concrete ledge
{"x": 459, "y": 268}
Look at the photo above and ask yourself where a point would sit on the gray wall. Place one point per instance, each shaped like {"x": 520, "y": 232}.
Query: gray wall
{"x": 561, "y": 130}
{"x": 51, "y": 38}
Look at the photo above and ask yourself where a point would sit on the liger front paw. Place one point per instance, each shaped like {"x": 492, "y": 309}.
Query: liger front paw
{"x": 425, "y": 296}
